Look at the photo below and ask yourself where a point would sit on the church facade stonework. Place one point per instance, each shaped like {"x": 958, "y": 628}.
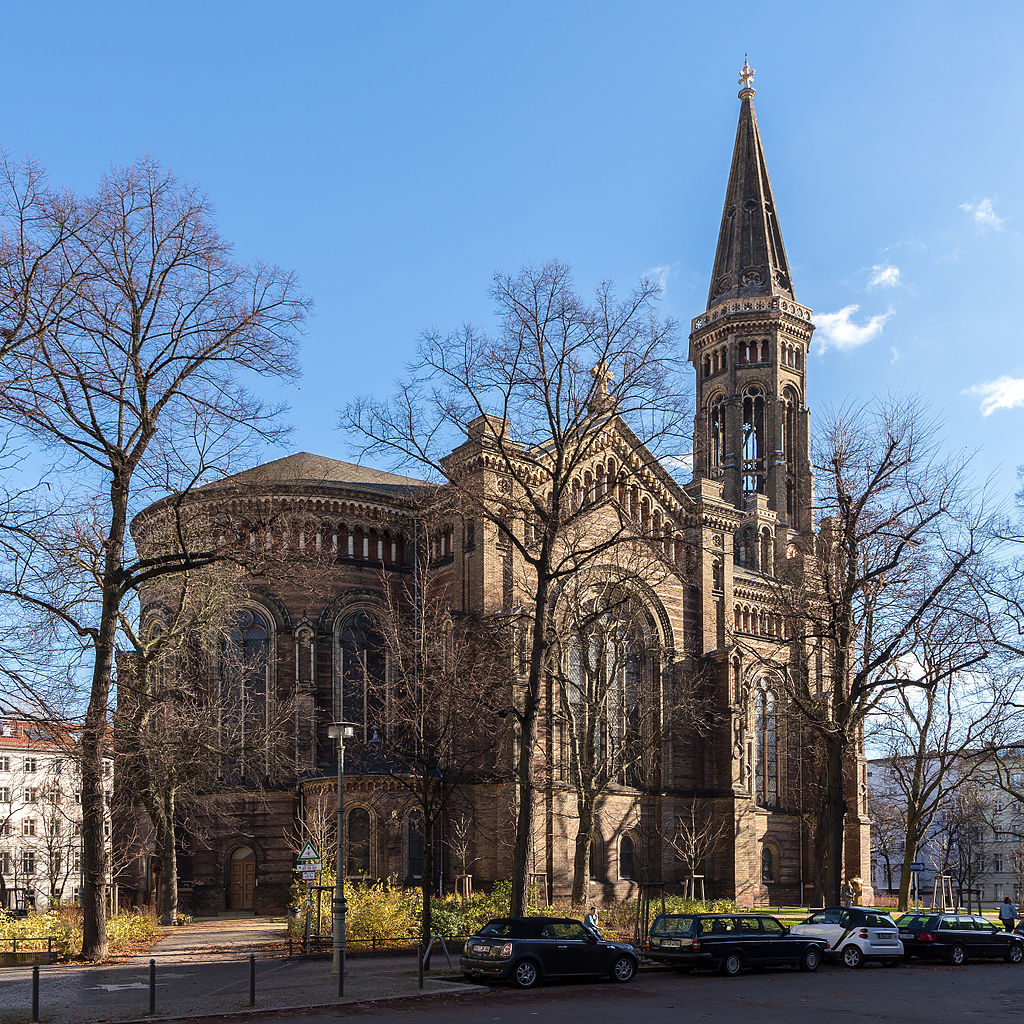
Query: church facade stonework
{"x": 750, "y": 777}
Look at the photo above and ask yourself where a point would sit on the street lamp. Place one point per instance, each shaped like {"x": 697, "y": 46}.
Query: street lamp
{"x": 340, "y": 731}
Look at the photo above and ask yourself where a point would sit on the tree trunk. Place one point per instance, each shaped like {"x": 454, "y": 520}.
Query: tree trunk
{"x": 94, "y": 735}
{"x": 834, "y": 817}
{"x": 581, "y": 857}
{"x": 523, "y": 849}
{"x": 167, "y": 904}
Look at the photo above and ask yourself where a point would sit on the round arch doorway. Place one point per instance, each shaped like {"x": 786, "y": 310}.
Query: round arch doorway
{"x": 242, "y": 879}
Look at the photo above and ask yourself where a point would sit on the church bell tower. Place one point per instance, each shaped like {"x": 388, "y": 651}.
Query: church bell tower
{"x": 750, "y": 351}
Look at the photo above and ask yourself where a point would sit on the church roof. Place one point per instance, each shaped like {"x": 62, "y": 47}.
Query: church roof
{"x": 306, "y": 469}
{"x": 750, "y": 260}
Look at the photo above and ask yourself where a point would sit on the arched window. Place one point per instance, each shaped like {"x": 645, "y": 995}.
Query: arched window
{"x": 414, "y": 845}
{"x": 766, "y": 752}
{"x": 716, "y": 433}
{"x": 594, "y": 862}
{"x": 767, "y": 561}
{"x": 245, "y": 681}
{"x": 357, "y": 842}
{"x": 626, "y": 857}
{"x": 363, "y": 674}
{"x": 753, "y": 441}
{"x": 767, "y": 864}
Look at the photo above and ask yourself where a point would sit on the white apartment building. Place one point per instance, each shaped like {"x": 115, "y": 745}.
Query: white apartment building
{"x": 41, "y": 813}
{"x": 977, "y": 837}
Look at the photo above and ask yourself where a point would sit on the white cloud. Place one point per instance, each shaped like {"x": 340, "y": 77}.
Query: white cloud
{"x": 837, "y": 330}
{"x": 983, "y": 214}
{"x": 895, "y": 354}
{"x": 1002, "y": 393}
{"x": 884, "y": 275}
{"x": 660, "y": 274}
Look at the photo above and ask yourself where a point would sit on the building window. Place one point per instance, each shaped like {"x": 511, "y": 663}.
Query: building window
{"x": 626, "y": 857}
{"x": 5, "y": 795}
{"x": 415, "y": 845}
{"x": 766, "y": 764}
{"x": 767, "y": 865}
{"x": 31, "y": 795}
{"x": 716, "y": 434}
{"x": 595, "y": 839}
{"x": 358, "y": 841}
{"x": 28, "y": 863}
{"x": 30, "y": 764}
{"x": 5, "y": 764}
{"x": 245, "y": 678}
{"x": 363, "y": 673}
{"x": 997, "y": 864}
{"x": 753, "y": 442}
{"x": 28, "y": 827}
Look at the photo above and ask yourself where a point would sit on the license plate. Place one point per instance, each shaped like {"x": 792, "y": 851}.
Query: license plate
{"x": 885, "y": 935}
{"x": 670, "y": 944}
{"x": 480, "y": 949}
{"x": 906, "y": 935}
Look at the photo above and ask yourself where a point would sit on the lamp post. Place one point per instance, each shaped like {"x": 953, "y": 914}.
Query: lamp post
{"x": 340, "y": 731}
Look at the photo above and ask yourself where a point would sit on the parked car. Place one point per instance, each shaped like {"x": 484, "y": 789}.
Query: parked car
{"x": 957, "y": 938}
{"x": 525, "y": 950}
{"x": 854, "y": 934}
{"x": 729, "y": 942}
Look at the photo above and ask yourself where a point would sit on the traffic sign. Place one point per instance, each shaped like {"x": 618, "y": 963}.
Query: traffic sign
{"x": 308, "y": 862}
{"x": 917, "y": 865}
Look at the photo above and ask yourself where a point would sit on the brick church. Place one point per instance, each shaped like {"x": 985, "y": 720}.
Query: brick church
{"x": 752, "y": 775}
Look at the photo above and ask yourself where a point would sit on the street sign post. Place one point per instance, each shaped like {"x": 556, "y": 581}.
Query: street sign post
{"x": 308, "y": 864}
{"x": 916, "y": 865}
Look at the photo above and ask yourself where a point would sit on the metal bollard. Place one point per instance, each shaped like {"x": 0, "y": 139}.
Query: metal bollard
{"x": 419, "y": 962}
{"x": 35, "y": 994}
{"x": 252, "y": 979}
{"x": 152, "y": 986}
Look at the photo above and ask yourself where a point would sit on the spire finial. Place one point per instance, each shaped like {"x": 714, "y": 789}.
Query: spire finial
{"x": 746, "y": 77}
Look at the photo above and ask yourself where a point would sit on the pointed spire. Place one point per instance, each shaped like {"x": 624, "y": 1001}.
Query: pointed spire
{"x": 750, "y": 260}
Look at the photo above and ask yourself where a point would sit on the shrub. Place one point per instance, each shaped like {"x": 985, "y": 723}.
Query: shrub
{"x": 64, "y": 925}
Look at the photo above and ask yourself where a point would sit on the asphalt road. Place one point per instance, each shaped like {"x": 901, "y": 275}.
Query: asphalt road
{"x": 915, "y": 994}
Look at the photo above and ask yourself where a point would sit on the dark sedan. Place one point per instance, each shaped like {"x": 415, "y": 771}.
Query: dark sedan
{"x": 525, "y": 950}
{"x": 957, "y": 938}
{"x": 730, "y": 942}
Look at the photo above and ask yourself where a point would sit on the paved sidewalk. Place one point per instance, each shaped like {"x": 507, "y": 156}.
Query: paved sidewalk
{"x": 222, "y": 935}
{"x": 187, "y": 987}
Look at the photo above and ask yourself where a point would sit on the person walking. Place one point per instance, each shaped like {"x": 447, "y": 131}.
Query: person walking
{"x": 847, "y": 893}
{"x": 1007, "y": 914}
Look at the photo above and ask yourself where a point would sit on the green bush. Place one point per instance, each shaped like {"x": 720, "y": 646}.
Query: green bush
{"x": 387, "y": 915}
{"x": 64, "y": 926}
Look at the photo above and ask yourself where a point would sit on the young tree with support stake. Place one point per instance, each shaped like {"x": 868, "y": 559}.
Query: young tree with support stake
{"x": 129, "y": 329}
{"x": 533, "y": 403}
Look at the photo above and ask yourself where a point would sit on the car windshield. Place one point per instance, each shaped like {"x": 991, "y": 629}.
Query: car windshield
{"x": 499, "y": 929}
{"x": 912, "y": 922}
{"x": 672, "y": 924}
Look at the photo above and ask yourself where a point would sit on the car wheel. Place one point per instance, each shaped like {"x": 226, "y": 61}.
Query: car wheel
{"x": 732, "y": 965}
{"x": 623, "y": 969}
{"x": 811, "y": 960}
{"x": 1015, "y": 954}
{"x": 957, "y": 955}
{"x": 852, "y": 956}
{"x": 526, "y": 974}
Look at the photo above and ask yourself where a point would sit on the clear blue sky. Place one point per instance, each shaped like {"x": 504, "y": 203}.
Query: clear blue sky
{"x": 396, "y": 154}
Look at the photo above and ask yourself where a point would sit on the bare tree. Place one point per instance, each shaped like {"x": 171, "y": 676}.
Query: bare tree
{"x": 128, "y": 344}
{"x": 618, "y": 694}
{"x": 436, "y": 713}
{"x": 961, "y": 844}
{"x": 539, "y": 404}
{"x": 898, "y": 537}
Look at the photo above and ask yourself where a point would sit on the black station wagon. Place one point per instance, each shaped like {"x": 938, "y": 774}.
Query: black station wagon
{"x": 524, "y": 950}
{"x": 729, "y": 942}
{"x": 957, "y": 938}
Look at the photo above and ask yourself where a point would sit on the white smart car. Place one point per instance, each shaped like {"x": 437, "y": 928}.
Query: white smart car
{"x": 855, "y": 934}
